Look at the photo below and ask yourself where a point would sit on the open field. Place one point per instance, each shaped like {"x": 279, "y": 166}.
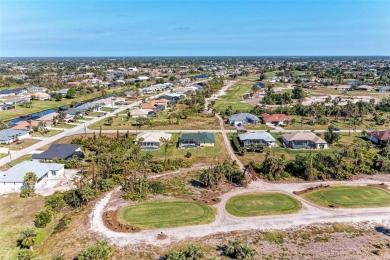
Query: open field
{"x": 160, "y": 123}
{"x": 204, "y": 155}
{"x": 40, "y": 105}
{"x": 350, "y": 197}
{"x": 233, "y": 97}
{"x": 49, "y": 134}
{"x": 167, "y": 213}
{"x": 16, "y": 215}
{"x": 261, "y": 204}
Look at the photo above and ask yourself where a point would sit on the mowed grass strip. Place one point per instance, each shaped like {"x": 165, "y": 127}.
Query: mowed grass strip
{"x": 262, "y": 204}
{"x": 350, "y": 197}
{"x": 166, "y": 214}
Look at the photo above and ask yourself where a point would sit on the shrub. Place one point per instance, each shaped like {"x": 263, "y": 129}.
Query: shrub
{"x": 192, "y": 252}
{"x": 156, "y": 187}
{"x": 234, "y": 249}
{"x": 42, "y": 218}
{"x": 105, "y": 184}
{"x": 274, "y": 237}
{"x": 27, "y": 192}
{"x": 25, "y": 254}
{"x": 99, "y": 251}
{"x": 55, "y": 202}
{"x": 188, "y": 155}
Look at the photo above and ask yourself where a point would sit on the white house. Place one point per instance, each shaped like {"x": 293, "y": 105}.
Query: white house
{"x": 151, "y": 140}
{"x": 12, "y": 180}
{"x": 8, "y": 136}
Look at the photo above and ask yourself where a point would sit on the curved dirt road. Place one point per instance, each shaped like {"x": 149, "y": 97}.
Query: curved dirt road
{"x": 309, "y": 214}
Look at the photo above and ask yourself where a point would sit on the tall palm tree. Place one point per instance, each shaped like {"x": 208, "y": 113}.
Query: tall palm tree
{"x": 30, "y": 179}
{"x": 166, "y": 143}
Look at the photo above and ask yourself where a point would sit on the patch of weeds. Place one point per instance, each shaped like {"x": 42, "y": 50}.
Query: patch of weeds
{"x": 321, "y": 239}
{"x": 274, "y": 237}
{"x": 377, "y": 252}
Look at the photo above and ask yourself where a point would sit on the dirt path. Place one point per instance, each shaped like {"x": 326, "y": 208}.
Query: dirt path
{"x": 227, "y": 143}
{"x": 224, "y": 222}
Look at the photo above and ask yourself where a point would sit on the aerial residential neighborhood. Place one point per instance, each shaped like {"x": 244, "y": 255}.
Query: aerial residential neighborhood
{"x": 194, "y": 130}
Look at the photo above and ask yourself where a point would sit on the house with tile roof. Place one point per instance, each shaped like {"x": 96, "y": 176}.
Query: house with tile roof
{"x": 379, "y": 137}
{"x": 303, "y": 140}
{"x": 275, "y": 119}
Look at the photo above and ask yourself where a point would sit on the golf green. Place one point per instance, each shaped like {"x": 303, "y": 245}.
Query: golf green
{"x": 166, "y": 213}
{"x": 350, "y": 197}
{"x": 262, "y": 204}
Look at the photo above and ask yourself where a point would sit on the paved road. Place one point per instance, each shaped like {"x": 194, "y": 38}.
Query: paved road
{"x": 81, "y": 128}
{"x": 211, "y": 131}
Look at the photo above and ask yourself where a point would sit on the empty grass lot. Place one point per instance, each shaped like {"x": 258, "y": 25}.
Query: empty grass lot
{"x": 350, "y": 197}
{"x": 262, "y": 204}
{"x": 166, "y": 214}
{"x": 233, "y": 97}
{"x": 161, "y": 123}
{"x": 202, "y": 155}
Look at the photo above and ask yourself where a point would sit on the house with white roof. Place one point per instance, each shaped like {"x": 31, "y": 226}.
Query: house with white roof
{"x": 12, "y": 180}
{"x": 8, "y": 136}
{"x": 256, "y": 138}
{"x": 151, "y": 140}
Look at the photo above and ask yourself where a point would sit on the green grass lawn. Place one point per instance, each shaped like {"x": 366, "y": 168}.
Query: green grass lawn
{"x": 233, "y": 97}
{"x": 202, "y": 155}
{"x": 40, "y": 105}
{"x": 2, "y": 155}
{"x": 16, "y": 215}
{"x": 166, "y": 214}
{"x": 262, "y": 204}
{"x": 161, "y": 123}
{"x": 49, "y": 134}
{"x": 349, "y": 197}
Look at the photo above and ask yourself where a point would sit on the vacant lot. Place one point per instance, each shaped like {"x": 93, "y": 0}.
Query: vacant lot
{"x": 233, "y": 97}
{"x": 350, "y": 197}
{"x": 261, "y": 204}
{"x": 49, "y": 134}
{"x": 202, "y": 155}
{"x": 160, "y": 123}
{"x": 167, "y": 213}
{"x": 16, "y": 214}
{"x": 19, "y": 145}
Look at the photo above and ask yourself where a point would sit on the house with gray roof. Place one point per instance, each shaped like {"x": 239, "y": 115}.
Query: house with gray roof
{"x": 12, "y": 180}
{"x": 242, "y": 119}
{"x": 196, "y": 140}
{"x": 59, "y": 151}
{"x": 383, "y": 89}
{"x": 80, "y": 110}
{"x": 256, "y": 138}
{"x": 33, "y": 89}
{"x": 8, "y": 136}
{"x": 303, "y": 140}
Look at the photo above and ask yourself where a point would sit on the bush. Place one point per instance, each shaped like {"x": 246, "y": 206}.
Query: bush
{"x": 42, "y": 218}
{"x": 55, "y": 202}
{"x": 27, "y": 192}
{"x": 234, "y": 249}
{"x": 156, "y": 187}
{"x": 25, "y": 254}
{"x": 188, "y": 155}
{"x": 105, "y": 184}
{"x": 192, "y": 252}
{"x": 99, "y": 251}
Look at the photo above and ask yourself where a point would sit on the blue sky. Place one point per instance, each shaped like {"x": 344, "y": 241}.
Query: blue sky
{"x": 194, "y": 28}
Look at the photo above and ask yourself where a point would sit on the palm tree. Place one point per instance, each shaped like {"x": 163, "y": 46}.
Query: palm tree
{"x": 28, "y": 238}
{"x": 166, "y": 143}
{"x": 30, "y": 179}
